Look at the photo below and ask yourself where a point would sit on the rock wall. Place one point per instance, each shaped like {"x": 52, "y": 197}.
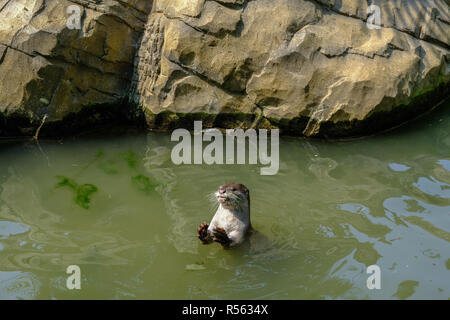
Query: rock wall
{"x": 47, "y": 69}
{"x": 309, "y": 67}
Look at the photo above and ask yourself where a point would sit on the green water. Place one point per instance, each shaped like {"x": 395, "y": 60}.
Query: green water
{"x": 118, "y": 208}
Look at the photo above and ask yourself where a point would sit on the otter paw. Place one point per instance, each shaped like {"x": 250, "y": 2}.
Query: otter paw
{"x": 220, "y": 236}
{"x": 202, "y": 233}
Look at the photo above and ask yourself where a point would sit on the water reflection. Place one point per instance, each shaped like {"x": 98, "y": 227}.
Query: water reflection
{"x": 18, "y": 285}
{"x": 433, "y": 187}
{"x": 8, "y": 228}
{"x": 399, "y": 167}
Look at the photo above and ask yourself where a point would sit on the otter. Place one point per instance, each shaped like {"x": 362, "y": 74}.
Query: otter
{"x": 231, "y": 222}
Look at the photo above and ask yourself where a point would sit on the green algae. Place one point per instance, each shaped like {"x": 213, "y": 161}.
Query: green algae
{"x": 130, "y": 158}
{"x": 142, "y": 183}
{"x": 100, "y": 154}
{"x": 83, "y": 192}
{"x": 111, "y": 165}
{"x": 108, "y": 167}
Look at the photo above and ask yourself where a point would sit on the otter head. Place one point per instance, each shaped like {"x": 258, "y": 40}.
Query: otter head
{"x": 233, "y": 196}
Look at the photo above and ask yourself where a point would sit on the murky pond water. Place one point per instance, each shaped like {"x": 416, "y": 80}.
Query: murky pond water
{"x": 120, "y": 210}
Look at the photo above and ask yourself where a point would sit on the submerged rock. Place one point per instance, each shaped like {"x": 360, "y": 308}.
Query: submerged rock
{"x": 313, "y": 68}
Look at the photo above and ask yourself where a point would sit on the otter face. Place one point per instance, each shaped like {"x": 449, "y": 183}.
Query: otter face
{"x": 232, "y": 195}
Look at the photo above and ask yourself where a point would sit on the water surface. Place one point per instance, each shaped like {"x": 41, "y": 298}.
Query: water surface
{"x": 117, "y": 207}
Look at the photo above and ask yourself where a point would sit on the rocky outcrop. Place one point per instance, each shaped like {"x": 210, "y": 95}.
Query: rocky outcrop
{"x": 309, "y": 67}
{"x": 49, "y": 70}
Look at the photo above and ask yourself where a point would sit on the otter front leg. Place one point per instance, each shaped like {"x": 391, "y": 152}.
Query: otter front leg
{"x": 220, "y": 236}
{"x": 203, "y": 235}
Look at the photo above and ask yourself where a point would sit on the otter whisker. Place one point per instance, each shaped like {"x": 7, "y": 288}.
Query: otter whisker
{"x": 211, "y": 197}
{"x": 214, "y": 206}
